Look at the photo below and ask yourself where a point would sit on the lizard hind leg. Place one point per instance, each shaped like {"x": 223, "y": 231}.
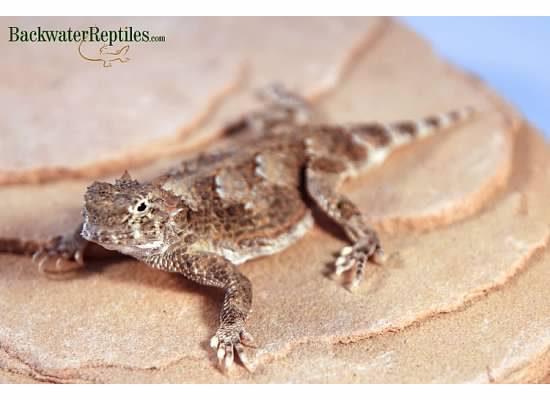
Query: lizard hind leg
{"x": 296, "y": 108}
{"x": 323, "y": 176}
{"x": 282, "y": 108}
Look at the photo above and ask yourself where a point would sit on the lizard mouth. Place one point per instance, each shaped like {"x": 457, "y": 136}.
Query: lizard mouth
{"x": 118, "y": 243}
{"x": 93, "y": 235}
{"x": 122, "y": 241}
{"x": 102, "y": 237}
{"x": 86, "y": 232}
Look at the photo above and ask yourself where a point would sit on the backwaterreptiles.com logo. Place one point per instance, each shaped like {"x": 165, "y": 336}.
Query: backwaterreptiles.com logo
{"x": 106, "y": 54}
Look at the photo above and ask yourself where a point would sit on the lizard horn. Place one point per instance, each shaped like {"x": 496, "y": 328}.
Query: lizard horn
{"x": 125, "y": 176}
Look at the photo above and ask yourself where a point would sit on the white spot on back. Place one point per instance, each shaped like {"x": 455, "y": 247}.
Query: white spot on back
{"x": 260, "y": 166}
{"x": 219, "y": 186}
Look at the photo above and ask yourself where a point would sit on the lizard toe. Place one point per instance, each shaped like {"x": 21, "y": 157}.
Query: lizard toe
{"x": 356, "y": 257}
{"x": 59, "y": 255}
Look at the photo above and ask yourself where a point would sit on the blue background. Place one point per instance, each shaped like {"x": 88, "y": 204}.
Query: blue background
{"x": 512, "y": 54}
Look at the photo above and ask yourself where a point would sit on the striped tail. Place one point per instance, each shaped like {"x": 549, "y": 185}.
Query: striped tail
{"x": 382, "y": 139}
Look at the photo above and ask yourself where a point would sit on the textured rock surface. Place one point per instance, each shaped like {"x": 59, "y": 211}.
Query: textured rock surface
{"x": 461, "y": 299}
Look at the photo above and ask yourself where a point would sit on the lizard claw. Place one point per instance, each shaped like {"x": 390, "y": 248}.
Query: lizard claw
{"x": 229, "y": 341}
{"x": 357, "y": 256}
{"x": 247, "y": 339}
{"x": 39, "y": 258}
{"x": 79, "y": 257}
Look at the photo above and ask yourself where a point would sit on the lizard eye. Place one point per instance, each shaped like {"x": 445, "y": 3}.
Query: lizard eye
{"x": 142, "y": 206}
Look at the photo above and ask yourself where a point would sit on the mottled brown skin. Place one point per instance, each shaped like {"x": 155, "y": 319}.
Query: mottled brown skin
{"x": 220, "y": 209}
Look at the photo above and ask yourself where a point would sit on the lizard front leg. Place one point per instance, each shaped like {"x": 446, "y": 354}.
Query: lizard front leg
{"x": 213, "y": 270}
{"x": 323, "y": 176}
{"x": 68, "y": 252}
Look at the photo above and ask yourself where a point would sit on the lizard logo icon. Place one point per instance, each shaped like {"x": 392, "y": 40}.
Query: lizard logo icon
{"x": 107, "y": 54}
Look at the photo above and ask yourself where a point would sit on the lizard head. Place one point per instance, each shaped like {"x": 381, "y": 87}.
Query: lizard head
{"x": 127, "y": 216}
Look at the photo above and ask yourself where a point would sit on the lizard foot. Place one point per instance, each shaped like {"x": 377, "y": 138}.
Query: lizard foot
{"x": 227, "y": 341}
{"x": 357, "y": 256}
{"x": 67, "y": 251}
